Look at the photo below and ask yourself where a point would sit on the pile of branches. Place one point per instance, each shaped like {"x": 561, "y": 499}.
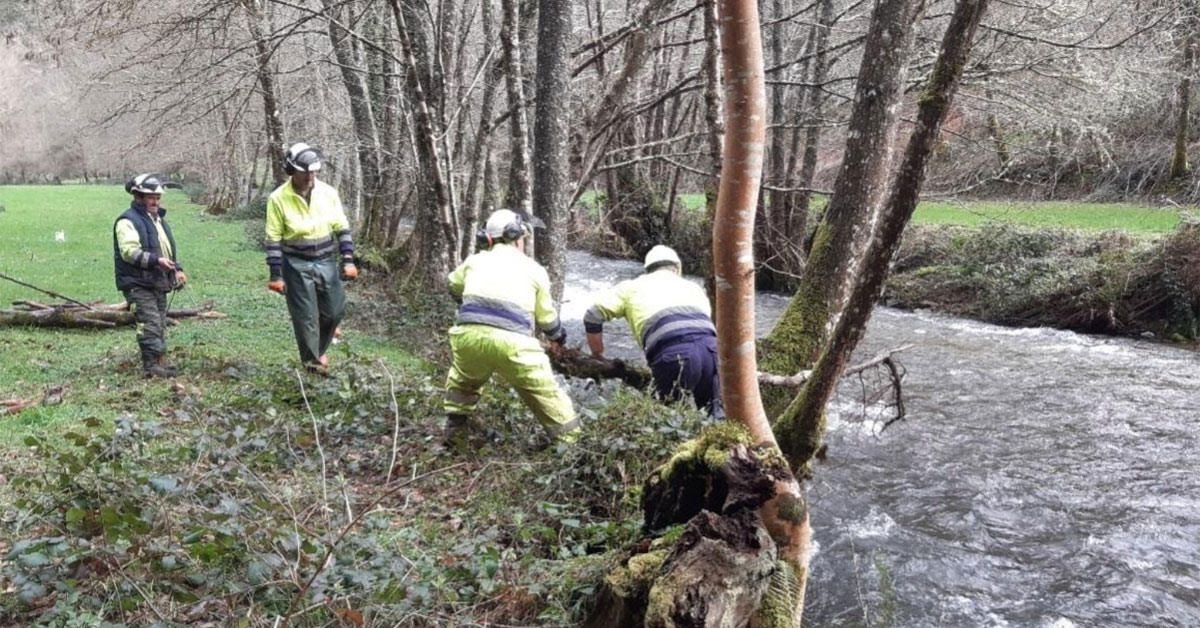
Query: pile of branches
{"x": 74, "y": 314}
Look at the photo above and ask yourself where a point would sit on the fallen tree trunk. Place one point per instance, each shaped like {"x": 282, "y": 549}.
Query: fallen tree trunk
{"x": 93, "y": 316}
{"x": 575, "y": 363}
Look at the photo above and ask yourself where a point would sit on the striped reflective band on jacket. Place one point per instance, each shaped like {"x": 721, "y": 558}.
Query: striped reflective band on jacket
{"x": 673, "y": 325}
{"x": 309, "y": 248}
{"x": 476, "y": 310}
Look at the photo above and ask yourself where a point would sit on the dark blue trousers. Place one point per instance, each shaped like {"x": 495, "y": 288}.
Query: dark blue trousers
{"x": 689, "y": 364}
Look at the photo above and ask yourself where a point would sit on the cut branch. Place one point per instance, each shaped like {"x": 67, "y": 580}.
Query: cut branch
{"x": 797, "y": 380}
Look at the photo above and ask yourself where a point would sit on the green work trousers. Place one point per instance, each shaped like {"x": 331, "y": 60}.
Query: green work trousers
{"x": 316, "y": 302}
{"x": 150, "y": 313}
{"x": 481, "y": 350}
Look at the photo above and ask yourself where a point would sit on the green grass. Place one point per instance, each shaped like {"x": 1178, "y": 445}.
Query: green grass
{"x": 100, "y": 368}
{"x": 1137, "y": 219}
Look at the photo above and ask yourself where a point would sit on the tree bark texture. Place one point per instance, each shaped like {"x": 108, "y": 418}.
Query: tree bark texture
{"x": 273, "y": 122}
{"x": 550, "y": 136}
{"x": 722, "y": 565}
{"x": 785, "y": 515}
{"x": 437, "y": 223}
{"x": 842, "y": 233}
{"x": 520, "y": 183}
{"x": 1179, "y": 159}
{"x": 366, "y": 134}
{"x": 801, "y": 427}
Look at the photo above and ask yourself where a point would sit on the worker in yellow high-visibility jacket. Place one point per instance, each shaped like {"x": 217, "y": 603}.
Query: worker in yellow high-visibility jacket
{"x": 671, "y": 320}
{"x": 308, "y": 239}
{"x": 505, "y": 298}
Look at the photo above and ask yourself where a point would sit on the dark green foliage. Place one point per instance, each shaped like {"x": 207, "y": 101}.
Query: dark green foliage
{"x": 277, "y": 499}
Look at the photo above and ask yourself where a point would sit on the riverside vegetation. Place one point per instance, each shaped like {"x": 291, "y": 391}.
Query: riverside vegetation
{"x": 243, "y": 491}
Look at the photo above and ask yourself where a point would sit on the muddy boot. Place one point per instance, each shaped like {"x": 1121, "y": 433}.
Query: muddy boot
{"x": 152, "y": 366}
{"x": 162, "y": 363}
{"x": 457, "y": 434}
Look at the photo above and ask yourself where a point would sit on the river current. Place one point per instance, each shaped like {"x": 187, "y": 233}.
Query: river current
{"x": 1041, "y": 477}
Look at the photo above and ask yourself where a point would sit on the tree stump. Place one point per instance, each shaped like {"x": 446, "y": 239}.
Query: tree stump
{"x": 713, "y": 561}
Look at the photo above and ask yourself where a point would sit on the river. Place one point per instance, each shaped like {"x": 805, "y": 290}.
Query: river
{"x": 1041, "y": 478}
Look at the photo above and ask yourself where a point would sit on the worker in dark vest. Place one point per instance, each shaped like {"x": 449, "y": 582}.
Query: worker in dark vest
{"x": 147, "y": 268}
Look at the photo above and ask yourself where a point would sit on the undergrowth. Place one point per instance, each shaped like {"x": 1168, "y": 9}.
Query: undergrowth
{"x": 315, "y": 499}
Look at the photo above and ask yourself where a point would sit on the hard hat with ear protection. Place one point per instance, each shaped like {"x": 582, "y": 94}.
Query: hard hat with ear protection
{"x": 504, "y": 225}
{"x": 301, "y": 158}
{"x": 148, "y": 183}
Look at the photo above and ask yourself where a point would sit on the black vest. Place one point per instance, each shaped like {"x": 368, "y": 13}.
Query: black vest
{"x": 129, "y": 275}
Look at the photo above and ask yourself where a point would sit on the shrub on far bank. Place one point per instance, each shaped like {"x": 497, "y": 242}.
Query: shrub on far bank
{"x": 1108, "y": 283}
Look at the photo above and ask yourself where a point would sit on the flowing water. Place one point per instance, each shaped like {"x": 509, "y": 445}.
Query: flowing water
{"x": 1041, "y": 478}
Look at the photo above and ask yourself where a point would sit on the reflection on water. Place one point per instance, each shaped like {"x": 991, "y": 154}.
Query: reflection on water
{"x": 1042, "y": 478}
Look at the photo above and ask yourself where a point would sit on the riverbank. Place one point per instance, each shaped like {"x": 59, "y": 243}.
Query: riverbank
{"x": 1107, "y": 282}
{"x": 1115, "y": 269}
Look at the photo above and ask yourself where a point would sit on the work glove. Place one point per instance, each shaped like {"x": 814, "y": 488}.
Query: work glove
{"x": 277, "y": 285}
{"x": 350, "y": 271}
{"x": 560, "y": 338}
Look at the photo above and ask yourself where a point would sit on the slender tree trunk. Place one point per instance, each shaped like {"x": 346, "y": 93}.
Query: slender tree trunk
{"x": 786, "y": 515}
{"x": 366, "y": 134}
{"x": 800, "y": 428}
{"x": 437, "y": 222}
{"x": 520, "y": 183}
{"x": 551, "y": 133}
{"x": 860, "y": 184}
{"x": 476, "y": 196}
{"x": 797, "y": 228}
{"x": 1179, "y": 159}
{"x": 715, "y": 128}
{"x": 266, "y": 84}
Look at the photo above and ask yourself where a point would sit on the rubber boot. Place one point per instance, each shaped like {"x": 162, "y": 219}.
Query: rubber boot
{"x": 457, "y": 434}
{"x": 152, "y": 367}
{"x": 162, "y": 362}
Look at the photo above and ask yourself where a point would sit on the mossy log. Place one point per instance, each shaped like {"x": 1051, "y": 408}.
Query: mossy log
{"x": 712, "y": 561}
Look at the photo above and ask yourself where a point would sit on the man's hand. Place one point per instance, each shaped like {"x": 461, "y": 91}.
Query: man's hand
{"x": 350, "y": 271}
{"x": 181, "y": 279}
{"x": 277, "y": 285}
{"x": 165, "y": 263}
{"x": 595, "y": 342}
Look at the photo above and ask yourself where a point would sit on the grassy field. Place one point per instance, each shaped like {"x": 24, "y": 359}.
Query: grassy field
{"x": 226, "y": 269}
{"x": 1140, "y": 219}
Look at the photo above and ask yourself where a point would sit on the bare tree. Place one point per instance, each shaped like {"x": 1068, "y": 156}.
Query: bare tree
{"x": 550, "y": 136}
{"x": 801, "y": 427}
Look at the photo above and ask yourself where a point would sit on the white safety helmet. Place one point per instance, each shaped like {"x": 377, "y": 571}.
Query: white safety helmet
{"x": 301, "y": 158}
{"x": 506, "y": 225}
{"x": 148, "y": 183}
{"x": 662, "y": 254}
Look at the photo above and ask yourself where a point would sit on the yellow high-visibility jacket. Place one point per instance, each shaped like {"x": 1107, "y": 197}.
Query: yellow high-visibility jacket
{"x": 504, "y": 288}
{"x": 661, "y": 307}
{"x": 309, "y": 230}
